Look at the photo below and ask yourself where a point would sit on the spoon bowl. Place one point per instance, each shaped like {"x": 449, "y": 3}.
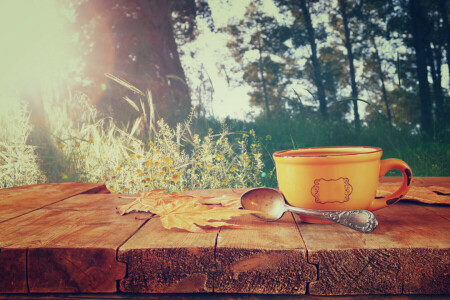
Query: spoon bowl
{"x": 270, "y": 205}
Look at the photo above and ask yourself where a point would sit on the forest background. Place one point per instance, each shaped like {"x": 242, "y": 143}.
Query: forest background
{"x": 197, "y": 94}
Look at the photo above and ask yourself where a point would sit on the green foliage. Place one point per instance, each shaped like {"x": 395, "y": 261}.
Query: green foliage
{"x": 258, "y": 44}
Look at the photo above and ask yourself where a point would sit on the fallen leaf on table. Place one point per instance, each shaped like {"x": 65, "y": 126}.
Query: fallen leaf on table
{"x": 420, "y": 194}
{"x": 224, "y": 200}
{"x": 182, "y": 211}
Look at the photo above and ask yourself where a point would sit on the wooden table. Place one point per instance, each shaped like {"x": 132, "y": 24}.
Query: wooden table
{"x": 68, "y": 238}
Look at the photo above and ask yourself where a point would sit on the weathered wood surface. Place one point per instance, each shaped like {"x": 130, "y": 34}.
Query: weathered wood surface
{"x": 171, "y": 261}
{"x": 80, "y": 244}
{"x": 70, "y": 246}
{"x": 408, "y": 253}
{"x": 17, "y": 201}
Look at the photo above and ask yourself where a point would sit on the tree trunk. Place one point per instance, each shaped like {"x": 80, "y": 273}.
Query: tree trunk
{"x": 315, "y": 62}
{"x": 435, "y": 67}
{"x": 443, "y": 10}
{"x": 145, "y": 54}
{"x": 263, "y": 79}
{"x": 420, "y": 33}
{"x": 381, "y": 75}
{"x": 348, "y": 45}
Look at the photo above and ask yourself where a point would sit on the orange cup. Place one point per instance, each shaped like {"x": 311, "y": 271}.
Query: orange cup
{"x": 336, "y": 178}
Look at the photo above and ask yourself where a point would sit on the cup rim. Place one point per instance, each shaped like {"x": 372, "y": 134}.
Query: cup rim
{"x": 282, "y": 152}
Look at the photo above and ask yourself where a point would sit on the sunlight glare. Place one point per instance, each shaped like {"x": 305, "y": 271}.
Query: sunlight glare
{"x": 35, "y": 44}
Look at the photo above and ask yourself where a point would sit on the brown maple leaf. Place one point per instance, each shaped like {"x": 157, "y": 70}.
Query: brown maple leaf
{"x": 224, "y": 200}
{"x": 183, "y": 211}
{"x": 420, "y": 194}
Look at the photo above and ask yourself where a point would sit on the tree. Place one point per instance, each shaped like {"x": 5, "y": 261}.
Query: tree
{"x": 443, "y": 8}
{"x": 420, "y": 31}
{"x": 258, "y": 45}
{"x": 137, "y": 42}
{"x": 348, "y": 45}
{"x": 303, "y": 19}
{"x": 371, "y": 14}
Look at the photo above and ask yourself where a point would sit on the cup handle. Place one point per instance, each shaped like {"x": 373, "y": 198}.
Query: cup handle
{"x": 386, "y": 165}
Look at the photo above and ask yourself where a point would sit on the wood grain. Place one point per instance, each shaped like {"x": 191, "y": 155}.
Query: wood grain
{"x": 168, "y": 261}
{"x": 13, "y": 271}
{"x": 20, "y": 200}
{"x": 71, "y": 244}
{"x": 262, "y": 258}
{"x": 407, "y": 254}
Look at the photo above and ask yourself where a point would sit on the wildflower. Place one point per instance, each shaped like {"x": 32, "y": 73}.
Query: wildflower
{"x": 168, "y": 160}
{"x": 198, "y": 182}
{"x": 148, "y": 179}
{"x": 157, "y": 151}
{"x": 63, "y": 175}
{"x": 83, "y": 156}
{"x": 165, "y": 169}
{"x": 209, "y": 166}
{"x": 176, "y": 177}
{"x": 138, "y": 156}
{"x": 257, "y": 155}
{"x": 77, "y": 144}
{"x": 132, "y": 155}
{"x": 119, "y": 169}
{"x": 148, "y": 163}
{"x": 245, "y": 135}
{"x": 139, "y": 171}
{"x": 125, "y": 190}
{"x": 90, "y": 141}
{"x": 150, "y": 143}
{"x": 252, "y": 132}
{"x": 105, "y": 178}
{"x": 220, "y": 157}
{"x": 268, "y": 137}
{"x": 224, "y": 182}
{"x": 184, "y": 188}
{"x": 172, "y": 168}
{"x": 157, "y": 163}
{"x": 234, "y": 168}
{"x": 61, "y": 145}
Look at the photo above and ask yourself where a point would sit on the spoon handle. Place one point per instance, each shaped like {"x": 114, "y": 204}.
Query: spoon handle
{"x": 360, "y": 220}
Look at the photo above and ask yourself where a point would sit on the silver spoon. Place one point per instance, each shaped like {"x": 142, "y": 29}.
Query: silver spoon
{"x": 271, "y": 206}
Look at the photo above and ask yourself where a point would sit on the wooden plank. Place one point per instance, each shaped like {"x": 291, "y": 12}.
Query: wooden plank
{"x": 13, "y": 271}
{"x": 262, "y": 258}
{"x": 20, "y": 200}
{"x": 407, "y": 254}
{"x": 171, "y": 261}
{"x": 168, "y": 261}
{"x": 71, "y": 244}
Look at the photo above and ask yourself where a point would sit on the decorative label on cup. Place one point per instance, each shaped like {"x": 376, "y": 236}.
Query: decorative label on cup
{"x": 331, "y": 190}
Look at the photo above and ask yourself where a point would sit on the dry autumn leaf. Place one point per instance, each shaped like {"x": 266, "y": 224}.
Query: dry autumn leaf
{"x": 233, "y": 201}
{"x": 182, "y": 211}
{"x": 420, "y": 194}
